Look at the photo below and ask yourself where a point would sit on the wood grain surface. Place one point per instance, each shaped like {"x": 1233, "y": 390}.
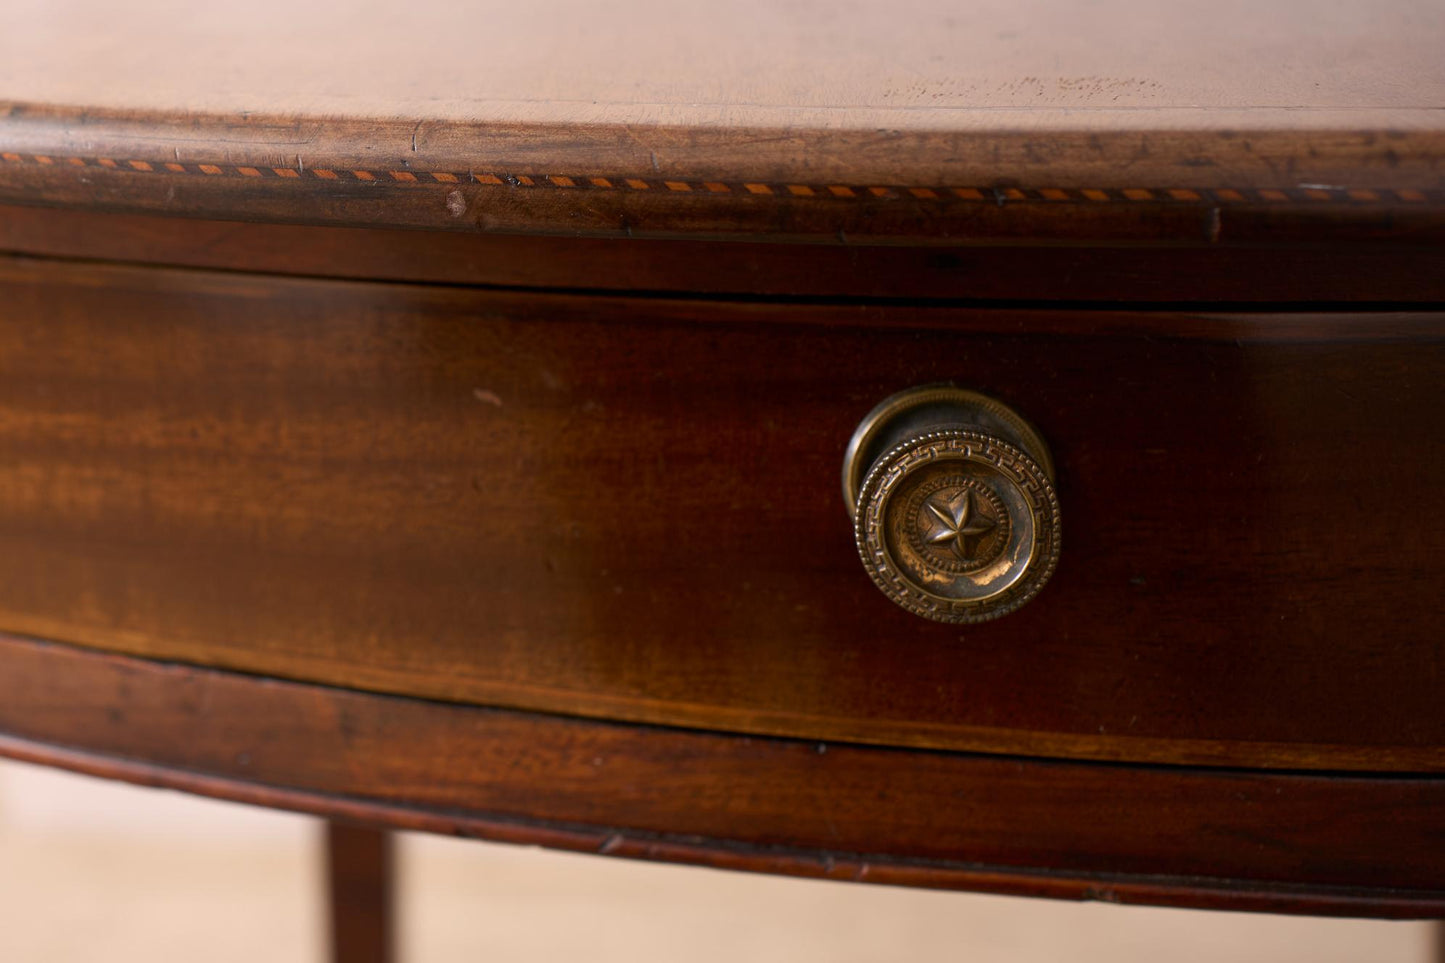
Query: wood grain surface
{"x": 1045, "y": 119}
{"x": 1381, "y": 262}
{"x": 360, "y": 901}
{"x": 629, "y": 508}
{"x": 620, "y": 505}
{"x": 1161, "y": 186}
{"x": 1284, "y": 842}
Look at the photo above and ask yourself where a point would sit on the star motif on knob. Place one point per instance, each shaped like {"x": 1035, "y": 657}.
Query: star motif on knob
{"x": 959, "y": 522}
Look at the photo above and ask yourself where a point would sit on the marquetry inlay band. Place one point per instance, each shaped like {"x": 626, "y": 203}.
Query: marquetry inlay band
{"x": 408, "y": 177}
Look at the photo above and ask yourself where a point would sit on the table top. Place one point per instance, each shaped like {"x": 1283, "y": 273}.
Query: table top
{"x": 917, "y": 64}
{"x": 758, "y": 107}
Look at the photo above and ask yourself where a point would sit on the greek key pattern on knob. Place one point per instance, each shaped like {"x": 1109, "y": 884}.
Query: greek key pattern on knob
{"x": 956, "y": 525}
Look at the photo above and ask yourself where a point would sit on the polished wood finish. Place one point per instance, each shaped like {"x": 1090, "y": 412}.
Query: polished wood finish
{"x": 1287, "y": 842}
{"x": 1385, "y": 266}
{"x": 629, "y": 508}
{"x": 500, "y": 409}
{"x": 359, "y": 878}
{"x": 1266, "y": 188}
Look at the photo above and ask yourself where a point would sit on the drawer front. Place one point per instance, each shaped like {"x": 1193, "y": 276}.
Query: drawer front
{"x": 629, "y": 509}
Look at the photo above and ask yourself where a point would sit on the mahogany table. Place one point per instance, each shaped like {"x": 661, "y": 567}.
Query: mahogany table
{"x": 431, "y": 416}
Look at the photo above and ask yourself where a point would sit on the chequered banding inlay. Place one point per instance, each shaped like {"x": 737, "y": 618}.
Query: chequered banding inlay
{"x": 1308, "y": 193}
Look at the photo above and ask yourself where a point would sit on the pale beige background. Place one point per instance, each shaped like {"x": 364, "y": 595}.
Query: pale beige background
{"x": 96, "y": 871}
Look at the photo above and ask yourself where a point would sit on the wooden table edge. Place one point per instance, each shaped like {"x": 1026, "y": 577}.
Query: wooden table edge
{"x": 572, "y": 784}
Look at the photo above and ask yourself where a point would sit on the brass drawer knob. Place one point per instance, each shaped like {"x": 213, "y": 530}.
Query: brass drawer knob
{"x": 953, "y": 504}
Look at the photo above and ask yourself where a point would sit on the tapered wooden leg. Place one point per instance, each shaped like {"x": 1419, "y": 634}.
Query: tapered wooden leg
{"x": 359, "y": 893}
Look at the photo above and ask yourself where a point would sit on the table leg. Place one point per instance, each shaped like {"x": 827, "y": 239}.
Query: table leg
{"x": 359, "y": 894}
